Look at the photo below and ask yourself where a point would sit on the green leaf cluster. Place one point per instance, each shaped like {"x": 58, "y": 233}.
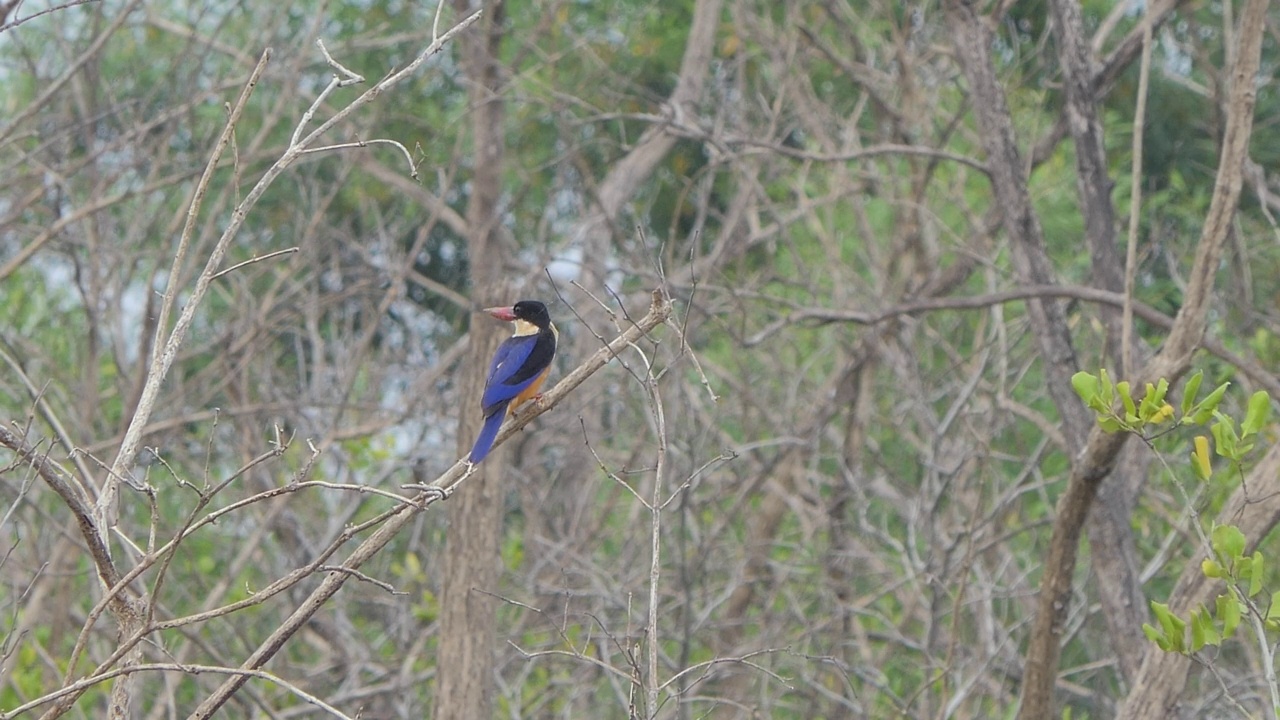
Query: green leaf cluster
{"x": 1243, "y": 574}
{"x": 1100, "y": 394}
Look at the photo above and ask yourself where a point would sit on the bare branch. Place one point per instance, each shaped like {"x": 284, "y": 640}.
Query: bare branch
{"x": 167, "y": 349}
{"x": 18, "y": 21}
{"x": 394, "y": 520}
{"x": 256, "y": 259}
{"x": 81, "y": 685}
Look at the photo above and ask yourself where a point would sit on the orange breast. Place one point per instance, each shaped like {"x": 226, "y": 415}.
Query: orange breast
{"x": 528, "y": 393}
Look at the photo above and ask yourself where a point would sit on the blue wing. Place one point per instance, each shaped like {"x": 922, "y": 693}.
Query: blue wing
{"x": 506, "y": 366}
{"x": 520, "y": 361}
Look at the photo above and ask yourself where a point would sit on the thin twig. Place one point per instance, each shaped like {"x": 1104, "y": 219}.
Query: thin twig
{"x": 741, "y": 659}
{"x": 361, "y": 576}
{"x": 605, "y": 468}
{"x": 342, "y": 78}
{"x": 655, "y": 512}
{"x": 256, "y": 259}
{"x": 70, "y": 4}
{"x": 435, "y": 22}
{"x": 167, "y": 349}
{"x": 350, "y": 77}
{"x": 413, "y": 167}
{"x": 82, "y": 685}
{"x": 391, "y": 522}
{"x": 1135, "y": 203}
{"x": 362, "y": 489}
{"x": 722, "y": 457}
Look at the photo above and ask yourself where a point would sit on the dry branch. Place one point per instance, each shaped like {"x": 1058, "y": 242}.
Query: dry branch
{"x": 95, "y": 523}
{"x": 442, "y": 486}
{"x": 72, "y": 494}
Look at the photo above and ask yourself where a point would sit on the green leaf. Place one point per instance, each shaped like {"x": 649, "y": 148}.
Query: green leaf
{"x": 1203, "y": 631}
{"x": 1085, "y": 385}
{"x": 1189, "y": 391}
{"x": 1203, "y": 410}
{"x": 1257, "y": 414}
{"x": 1229, "y": 614}
{"x": 1200, "y": 462}
{"x": 1152, "y": 399}
{"x": 1197, "y": 631}
{"x": 1228, "y": 542}
{"x": 1130, "y": 409}
{"x": 1211, "y": 634}
{"x": 1225, "y": 438}
{"x": 1154, "y": 636}
{"x": 1162, "y": 389}
{"x": 1173, "y": 627}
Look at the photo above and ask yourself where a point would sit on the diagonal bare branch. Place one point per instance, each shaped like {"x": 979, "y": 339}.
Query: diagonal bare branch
{"x": 659, "y": 310}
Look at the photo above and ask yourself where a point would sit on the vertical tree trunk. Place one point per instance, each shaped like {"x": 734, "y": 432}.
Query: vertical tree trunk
{"x": 1094, "y": 463}
{"x": 472, "y": 559}
{"x": 1113, "y": 554}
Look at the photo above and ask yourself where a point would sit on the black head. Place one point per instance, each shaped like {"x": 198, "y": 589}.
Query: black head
{"x": 533, "y": 312}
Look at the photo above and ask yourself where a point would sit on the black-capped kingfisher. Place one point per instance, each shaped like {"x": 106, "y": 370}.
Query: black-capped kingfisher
{"x": 518, "y": 369}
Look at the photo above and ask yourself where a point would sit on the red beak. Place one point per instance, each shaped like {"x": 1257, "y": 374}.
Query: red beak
{"x": 502, "y": 313}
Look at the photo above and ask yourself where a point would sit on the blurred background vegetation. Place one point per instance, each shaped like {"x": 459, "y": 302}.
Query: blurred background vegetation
{"x": 861, "y": 498}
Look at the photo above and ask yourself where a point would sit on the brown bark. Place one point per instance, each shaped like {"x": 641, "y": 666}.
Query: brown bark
{"x": 464, "y": 686}
{"x": 1021, "y": 225}
{"x": 1026, "y": 239}
{"x": 1114, "y": 557}
{"x": 1093, "y": 184}
{"x": 1109, "y": 69}
{"x": 1093, "y": 465}
{"x": 1115, "y": 562}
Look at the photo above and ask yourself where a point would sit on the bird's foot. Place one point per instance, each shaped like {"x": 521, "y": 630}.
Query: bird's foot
{"x": 432, "y": 492}
{"x": 532, "y": 405}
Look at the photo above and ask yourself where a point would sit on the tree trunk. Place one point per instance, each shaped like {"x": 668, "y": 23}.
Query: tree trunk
{"x": 1092, "y": 465}
{"x": 1113, "y": 554}
{"x": 465, "y": 660}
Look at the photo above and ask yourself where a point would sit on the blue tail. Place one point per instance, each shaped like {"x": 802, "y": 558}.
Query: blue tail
{"x": 487, "y": 434}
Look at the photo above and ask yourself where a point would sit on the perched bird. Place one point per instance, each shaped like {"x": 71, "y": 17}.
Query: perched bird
{"x": 518, "y": 368}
